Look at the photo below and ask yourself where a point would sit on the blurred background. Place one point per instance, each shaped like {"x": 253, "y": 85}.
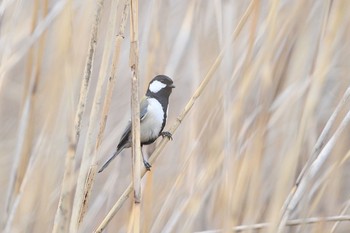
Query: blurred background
{"x": 238, "y": 153}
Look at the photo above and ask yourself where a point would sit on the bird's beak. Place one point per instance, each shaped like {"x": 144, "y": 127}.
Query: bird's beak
{"x": 172, "y": 86}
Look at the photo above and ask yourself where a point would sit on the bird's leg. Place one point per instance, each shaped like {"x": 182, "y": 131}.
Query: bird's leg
{"x": 166, "y": 134}
{"x": 145, "y": 162}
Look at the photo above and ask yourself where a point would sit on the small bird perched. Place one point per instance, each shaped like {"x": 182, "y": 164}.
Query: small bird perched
{"x": 153, "y": 115}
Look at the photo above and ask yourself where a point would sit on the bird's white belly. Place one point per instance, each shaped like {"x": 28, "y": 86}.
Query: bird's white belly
{"x": 152, "y": 123}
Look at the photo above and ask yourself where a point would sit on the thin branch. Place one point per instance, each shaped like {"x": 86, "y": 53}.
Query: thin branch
{"x": 293, "y": 222}
{"x": 180, "y": 118}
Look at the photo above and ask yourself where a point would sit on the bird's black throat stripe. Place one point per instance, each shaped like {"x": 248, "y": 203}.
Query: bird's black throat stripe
{"x": 163, "y": 99}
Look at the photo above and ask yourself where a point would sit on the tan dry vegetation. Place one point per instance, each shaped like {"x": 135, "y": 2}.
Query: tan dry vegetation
{"x": 260, "y": 116}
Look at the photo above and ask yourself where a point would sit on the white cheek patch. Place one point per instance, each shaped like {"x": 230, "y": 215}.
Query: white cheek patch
{"x": 156, "y": 86}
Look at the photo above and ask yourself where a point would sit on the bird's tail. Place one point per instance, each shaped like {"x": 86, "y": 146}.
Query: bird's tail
{"x": 110, "y": 159}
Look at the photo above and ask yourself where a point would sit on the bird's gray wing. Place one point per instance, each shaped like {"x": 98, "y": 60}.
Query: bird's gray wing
{"x": 125, "y": 136}
{"x": 143, "y": 108}
{"x": 143, "y": 113}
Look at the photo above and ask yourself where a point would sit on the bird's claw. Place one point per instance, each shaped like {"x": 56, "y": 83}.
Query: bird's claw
{"x": 167, "y": 134}
{"x": 147, "y": 165}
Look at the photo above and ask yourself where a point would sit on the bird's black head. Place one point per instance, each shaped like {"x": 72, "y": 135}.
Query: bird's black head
{"x": 160, "y": 87}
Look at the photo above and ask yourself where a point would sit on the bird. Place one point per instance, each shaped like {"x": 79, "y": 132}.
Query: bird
{"x": 153, "y": 116}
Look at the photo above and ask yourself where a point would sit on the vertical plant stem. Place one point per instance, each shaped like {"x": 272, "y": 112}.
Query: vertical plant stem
{"x": 25, "y": 133}
{"x": 135, "y": 107}
{"x": 65, "y": 196}
{"x": 88, "y": 69}
{"x": 64, "y": 209}
{"x": 320, "y": 70}
{"x": 112, "y": 80}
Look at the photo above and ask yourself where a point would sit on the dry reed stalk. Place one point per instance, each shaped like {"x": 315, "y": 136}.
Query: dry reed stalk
{"x": 9, "y": 227}
{"x": 178, "y": 50}
{"x": 291, "y": 222}
{"x": 324, "y": 134}
{"x": 330, "y": 171}
{"x": 299, "y": 190}
{"x": 184, "y": 35}
{"x": 179, "y": 119}
{"x": 78, "y": 198}
{"x": 180, "y": 180}
{"x": 153, "y": 41}
{"x": 252, "y": 36}
{"x": 344, "y": 210}
{"x": 319, "y": 70}
{"x": 320, "y": 142}
{"x": 84, "y": 89}
{"x": 273, "y": 67}
{"x": 109, "y": 88}
{"x": 269, "y": 145}
{"x": 204, "y": 186}
{"x": 3, "y": 5}
{"x": 113, "y": 77}
{"x": 26, "y": 131}
{"x": 25, "y": 134}
{"x": 112, "y": 80}
{"x": 10, "y": 61}
{"x": 97, "y": 138}
{"x": 135, "y": 115}
{"x": 233, "y": 178}
{"x": 324, "y": 181}
{"x": 64, "y": 209}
